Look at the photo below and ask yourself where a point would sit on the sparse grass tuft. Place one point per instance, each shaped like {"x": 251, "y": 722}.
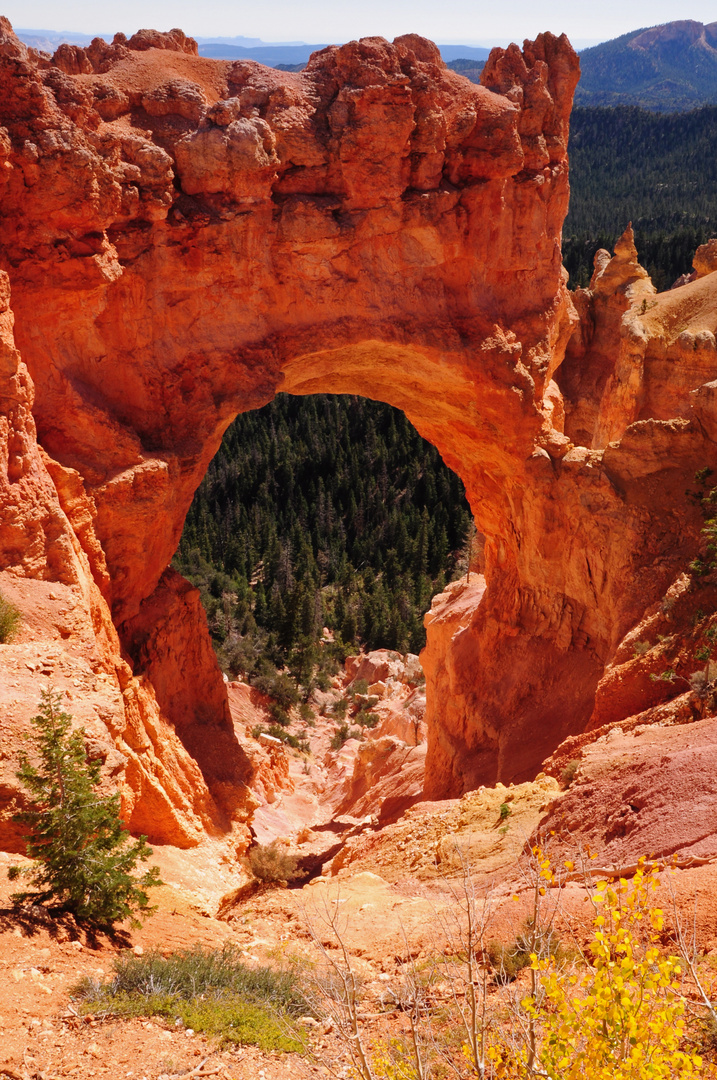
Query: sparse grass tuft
{"x": 338, "y": 709}
{"x": 569, "y": 773}
{"x": 209, "y": 990}
{"x": 707, "y": 1036}
{"x": 507, "y": 960}
{"x": 340, "y": 736}
{"x": 225, "y": 1016}
{"x": 10, "y": 618}
{"x": 364, "y": 716}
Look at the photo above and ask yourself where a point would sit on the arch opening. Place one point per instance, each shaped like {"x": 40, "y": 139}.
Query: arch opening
{"x": 462, "y": 410}
{"x": 322, "y": 511}
{"x": 324, "y": 526}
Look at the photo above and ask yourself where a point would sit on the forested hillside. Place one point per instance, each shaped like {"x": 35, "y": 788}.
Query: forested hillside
{"x": 470, "y": 69}
{"x": 670, "y": 68}
{"x": 657, "y": 170}
{"x": 321, "y": 511}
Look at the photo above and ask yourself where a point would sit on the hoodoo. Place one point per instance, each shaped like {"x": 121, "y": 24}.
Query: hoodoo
{"x": 183, "y": 238}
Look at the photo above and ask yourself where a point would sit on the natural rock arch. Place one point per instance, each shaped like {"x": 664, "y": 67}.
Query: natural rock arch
{"x": 183, "y": 238}
{"x": 377, "y": 207}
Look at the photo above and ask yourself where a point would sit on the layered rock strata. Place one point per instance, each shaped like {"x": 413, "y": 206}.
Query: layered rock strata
{"x": 184, "y": 238}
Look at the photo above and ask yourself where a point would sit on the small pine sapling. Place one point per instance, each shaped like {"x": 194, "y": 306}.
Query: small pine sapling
{"x": 84, "y": 859}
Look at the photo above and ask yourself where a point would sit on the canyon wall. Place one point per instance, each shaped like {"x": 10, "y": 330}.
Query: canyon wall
{"x": 183, "y": 238}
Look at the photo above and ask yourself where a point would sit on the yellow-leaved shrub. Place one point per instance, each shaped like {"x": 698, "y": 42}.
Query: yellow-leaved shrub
{"x": 620, "y": 1016}
{"x": 616, "y": 1009}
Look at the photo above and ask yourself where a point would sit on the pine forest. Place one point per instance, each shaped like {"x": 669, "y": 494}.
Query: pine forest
{"x": 326, "y": 511}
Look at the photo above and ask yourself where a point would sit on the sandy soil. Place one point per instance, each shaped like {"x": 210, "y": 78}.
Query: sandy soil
{"x": 387, "y": 924}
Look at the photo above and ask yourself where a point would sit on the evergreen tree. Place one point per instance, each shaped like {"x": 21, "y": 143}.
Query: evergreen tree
{"x": 84, "y": 859}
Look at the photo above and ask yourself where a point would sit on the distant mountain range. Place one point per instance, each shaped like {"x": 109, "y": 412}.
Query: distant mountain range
{"x": 299, "y": 52}
{"x": 270, "y": 55}
{"x": 48, "y": 40}
{"x": 273, "y": 54}
{"x": 669, "y": 68}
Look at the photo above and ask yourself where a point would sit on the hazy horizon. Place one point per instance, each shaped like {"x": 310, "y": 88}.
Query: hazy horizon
{"x": 457, "y": 22}
{"x": 474, "y": 43}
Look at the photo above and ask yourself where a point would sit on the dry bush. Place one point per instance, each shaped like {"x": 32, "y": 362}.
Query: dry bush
{"x": 269, "y": 863}
{"x": 9, "y": 620}
{"x": 507, "y": 959}
{"x": 569, "y": 773}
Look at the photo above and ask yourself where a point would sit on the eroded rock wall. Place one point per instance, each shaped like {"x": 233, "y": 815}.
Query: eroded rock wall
{"x": 618, "y": 519}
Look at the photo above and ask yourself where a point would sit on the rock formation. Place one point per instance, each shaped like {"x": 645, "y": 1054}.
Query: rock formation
{"x": 183, "y": 238}
{"x": 649, "y": 790}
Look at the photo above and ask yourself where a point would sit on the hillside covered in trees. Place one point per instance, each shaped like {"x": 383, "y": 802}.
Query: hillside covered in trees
{"x": 670, "y": 68}
{"x": 326, "y": 511}
{"x": 657, "y": 170}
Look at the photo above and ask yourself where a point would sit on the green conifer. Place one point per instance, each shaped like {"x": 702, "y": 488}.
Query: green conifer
{"x": 84, "y": 857}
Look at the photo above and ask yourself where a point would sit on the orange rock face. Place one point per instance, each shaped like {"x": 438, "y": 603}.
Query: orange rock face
{"x": 646, "y": 790}
{"x": 183, "y": 238}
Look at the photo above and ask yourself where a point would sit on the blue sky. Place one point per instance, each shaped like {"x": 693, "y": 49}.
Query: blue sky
{"x": 340, "y": 20}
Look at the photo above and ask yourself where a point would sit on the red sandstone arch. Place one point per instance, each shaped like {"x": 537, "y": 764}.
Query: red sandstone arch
{"x": 183, "y": 238}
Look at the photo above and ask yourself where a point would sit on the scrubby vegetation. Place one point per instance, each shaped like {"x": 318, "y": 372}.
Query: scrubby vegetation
{"x": 269, "y": 863}
{"x": 342, "y": 735}
{"x": 569, "y": 773}
{"x": 208, "y": 990}
{"x": 277, "y": 731}
{"x": 10, "y": 619}
{"x": 507, "y": 960}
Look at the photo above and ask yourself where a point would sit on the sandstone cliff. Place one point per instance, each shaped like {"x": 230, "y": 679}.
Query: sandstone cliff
{"x": 182, "y": 238}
